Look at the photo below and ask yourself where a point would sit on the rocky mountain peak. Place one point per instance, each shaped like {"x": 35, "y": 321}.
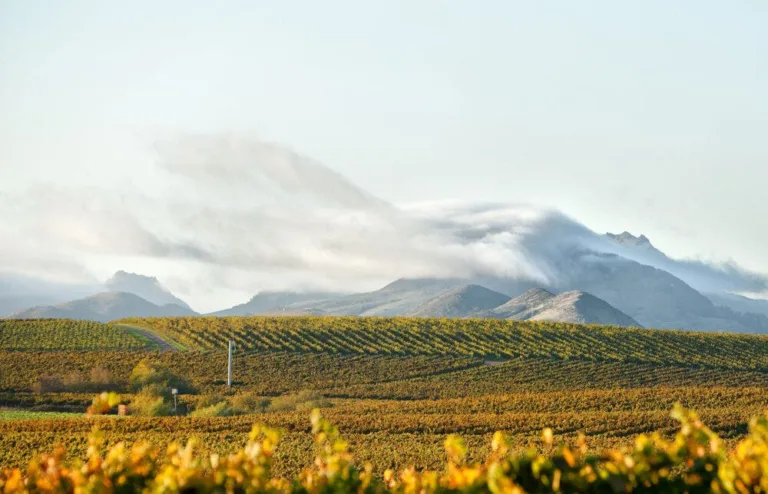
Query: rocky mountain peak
{"x": 626, "y": 238}
{"x": 146, "y": 287}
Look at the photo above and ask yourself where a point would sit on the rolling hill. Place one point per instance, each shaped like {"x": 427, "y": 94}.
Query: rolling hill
{"x": 276, "y": 302}
{"x": 462, "y": 301}
{"x": 478, "y": 337}
{"x": 395, "y": 299}
{"x": 65, "y": 334}
{"x": 573, "y": 306}
{"x": 104, "y": 307}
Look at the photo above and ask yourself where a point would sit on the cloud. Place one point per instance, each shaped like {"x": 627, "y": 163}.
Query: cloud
{"x": 234, "y": 215}
{"x": 228, "y": 162}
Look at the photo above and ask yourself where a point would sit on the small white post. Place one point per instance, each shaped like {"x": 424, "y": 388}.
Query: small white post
{"x": 229, "y": 363}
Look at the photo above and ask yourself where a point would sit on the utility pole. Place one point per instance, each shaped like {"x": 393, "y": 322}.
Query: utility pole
{"x": 229, "y": 363}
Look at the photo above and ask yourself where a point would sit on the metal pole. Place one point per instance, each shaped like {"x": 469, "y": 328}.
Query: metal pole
{"x": 229, "y": 365}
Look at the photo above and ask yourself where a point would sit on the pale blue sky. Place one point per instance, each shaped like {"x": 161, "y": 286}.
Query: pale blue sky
{"x": 651, "y": 117}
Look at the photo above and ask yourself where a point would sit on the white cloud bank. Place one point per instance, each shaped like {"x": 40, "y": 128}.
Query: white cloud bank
{"x": 224, "y": 216}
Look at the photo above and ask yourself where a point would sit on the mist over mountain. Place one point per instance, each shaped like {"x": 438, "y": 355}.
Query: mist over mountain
{"x": 18, "y": 292}
{"x": 705, "y": 277}
{"x": 247, "y": 216}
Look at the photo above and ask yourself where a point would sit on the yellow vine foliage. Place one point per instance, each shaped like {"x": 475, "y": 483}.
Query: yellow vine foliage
{"x": 694, "y": 461}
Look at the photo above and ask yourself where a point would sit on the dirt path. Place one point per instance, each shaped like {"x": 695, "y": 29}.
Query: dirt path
{"x": 164, "y": 346}
{"x": 494, "y": 362}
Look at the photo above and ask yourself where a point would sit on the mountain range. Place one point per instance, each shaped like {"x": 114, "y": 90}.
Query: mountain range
{"x": 633, "y": 285}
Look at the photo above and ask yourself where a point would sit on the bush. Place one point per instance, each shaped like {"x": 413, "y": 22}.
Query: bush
{"x": 303, "y": 400}
{"x": 147, "y": 373}
{"x": 101, "y": 378}
{"x": 48, "y": 384}
{"x": 220, "y": 409}
{"x": 148, "y": 403}
{"x": 103, "y": 403}
{"x": 98, "y": 380}
{"x": 75, "y": 383}
{"x": 215, "y": 405}
{"x": 245, "y": 403}
{"x": 208, "y": 400}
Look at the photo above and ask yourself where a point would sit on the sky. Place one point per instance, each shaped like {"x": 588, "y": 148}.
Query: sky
{"x": 649, "y": 117}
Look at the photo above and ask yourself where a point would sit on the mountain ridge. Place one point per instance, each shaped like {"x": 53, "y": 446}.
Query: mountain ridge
{"x": 274, "y": 302}
{"x": 104, "y": 307}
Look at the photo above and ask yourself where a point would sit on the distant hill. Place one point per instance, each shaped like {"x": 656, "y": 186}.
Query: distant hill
{"x": 462, "y": 301}
{"x": 395, "y": 299}
{"x": 653, "y": 297}
{"x": 287, "y": 311}
{"x": 739, "y": 303}
{"x": 277, "y": 302}
{"x": 523, "y": 304}
{"x": 104, "y": 307}
{"x": 721, "y": 278}
{"x": 573, "y": 307}
{"x": 10, "y": 304}
{"x": 18, "y": 292}
{"x": 146, "y": 287}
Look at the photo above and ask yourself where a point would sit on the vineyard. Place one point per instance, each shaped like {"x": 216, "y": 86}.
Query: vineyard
{"x": 64, "y": 334}
{"x": 694, "y": 460}
{"x": 373, "y": 376}
{"x": 396, "y": 386}
{"x": 268, "y": 373}
{"x": 609, "y": 418}
{"x": 469, "y": 337}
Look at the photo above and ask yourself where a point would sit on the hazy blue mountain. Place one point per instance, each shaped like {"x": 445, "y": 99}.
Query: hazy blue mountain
{"x": 739, "y": 303}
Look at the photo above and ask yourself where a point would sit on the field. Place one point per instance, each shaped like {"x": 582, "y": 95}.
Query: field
{"x": 394, "y": 387}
